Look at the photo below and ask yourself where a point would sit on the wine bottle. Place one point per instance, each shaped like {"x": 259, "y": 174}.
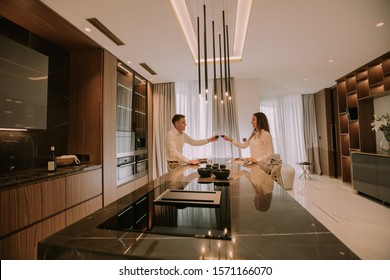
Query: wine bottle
{"x": 52, "y": 162}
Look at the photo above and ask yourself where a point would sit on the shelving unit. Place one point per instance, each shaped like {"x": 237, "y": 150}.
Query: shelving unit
{"x": 355, "y": 94}
{"x": 132, "y": 128}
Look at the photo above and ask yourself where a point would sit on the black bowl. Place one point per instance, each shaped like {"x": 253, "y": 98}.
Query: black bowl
{"x": 221, "y": 174}
{"x": 204, "y": 172}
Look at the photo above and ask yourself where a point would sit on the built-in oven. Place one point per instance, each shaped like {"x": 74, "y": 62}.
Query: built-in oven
{"x": 141, "y": 163}
{"x": 125, "y": 169}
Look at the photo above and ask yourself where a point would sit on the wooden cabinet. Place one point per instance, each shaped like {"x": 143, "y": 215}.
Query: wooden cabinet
{"x": 93, "y": 114}
{"x": 327, "y": 119}
{"x": 83, "y": 186}
{"x": 23, "y": 206}
{"x": 355, "y": 93}
{"x": 371, "y": 175}
{"x": 33, "y": 212}
{"x": 132, "y": 126}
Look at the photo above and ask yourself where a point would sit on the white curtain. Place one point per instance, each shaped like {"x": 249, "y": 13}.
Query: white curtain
{"x": 225, "y": 121}
{"x": 203, "y": 119}
{"x": 198, "y": 116}
{"x": 310, "y": 129}
{"x": 163, "y": 109}
{"x": 285, "y": 116}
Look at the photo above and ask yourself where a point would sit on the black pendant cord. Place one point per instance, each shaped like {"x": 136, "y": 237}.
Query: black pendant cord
{"x": 205, "y": 52}
{"x": 224, "y": 49}
{"x": 215, "y": 67}
{"x": 199, "y": 80}
{"x": 228, "y": 61}
{"x": 220, "y": 66}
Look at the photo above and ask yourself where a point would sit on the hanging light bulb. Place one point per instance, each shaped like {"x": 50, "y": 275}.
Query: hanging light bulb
{"x": 224, "y": 51}
{"x": 220, "y": 66}
{"x": 228, "y": 61}
{"x": 214, "y": 64}
{"x": 205, "y": 51}
{"x": 199, "y": 81}
{"x": 224, "y": 58}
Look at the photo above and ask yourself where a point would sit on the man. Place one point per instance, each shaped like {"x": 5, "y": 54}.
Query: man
{"x": 176, "y": 138}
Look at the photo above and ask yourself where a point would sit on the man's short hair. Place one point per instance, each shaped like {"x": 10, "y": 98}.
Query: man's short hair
{"x": 176, "y": 118}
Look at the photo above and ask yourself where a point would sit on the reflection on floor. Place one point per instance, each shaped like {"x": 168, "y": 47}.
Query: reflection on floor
{"x": 362, "y": 223}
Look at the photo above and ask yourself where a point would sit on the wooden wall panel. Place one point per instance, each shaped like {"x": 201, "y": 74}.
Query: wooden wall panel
{"x": 109, "y": 128}
{"x": 36, "y": 17}
{"x": 85, "y": 105}
{"x": 150, "y": 131}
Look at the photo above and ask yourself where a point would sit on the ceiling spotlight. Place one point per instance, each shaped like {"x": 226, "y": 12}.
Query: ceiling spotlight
{"x": 380, "y": 24}
{"x": 128, "y": 62}
{"x": 330, "y": 60}
{"x": 87, "y": 29}
{"x": 305, "y": 79}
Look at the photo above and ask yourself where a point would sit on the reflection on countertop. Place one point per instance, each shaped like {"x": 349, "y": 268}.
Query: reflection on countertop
{"x": 31, "y": 176}
{"x": 264, "y": 222}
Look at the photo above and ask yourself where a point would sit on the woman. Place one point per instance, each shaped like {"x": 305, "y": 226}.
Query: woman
{"x": 260, "y": 141}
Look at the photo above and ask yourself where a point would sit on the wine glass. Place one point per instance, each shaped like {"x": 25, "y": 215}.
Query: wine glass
{"x": 216, "y": 134}
{"x": 222, "y": 133}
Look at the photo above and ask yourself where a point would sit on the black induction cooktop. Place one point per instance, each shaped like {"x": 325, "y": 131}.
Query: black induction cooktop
{"x": 196, "y": 210}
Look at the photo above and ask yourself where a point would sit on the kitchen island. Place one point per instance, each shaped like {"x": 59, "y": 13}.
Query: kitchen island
{"x": 255, "y": 218}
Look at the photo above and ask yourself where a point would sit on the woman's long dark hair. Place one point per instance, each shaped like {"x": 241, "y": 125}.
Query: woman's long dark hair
{"x": 262, "y": 123}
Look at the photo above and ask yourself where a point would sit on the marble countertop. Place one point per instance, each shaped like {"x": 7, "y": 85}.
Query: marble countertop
{"x": 265, "y": 223}
{"x": 32, "y": 176}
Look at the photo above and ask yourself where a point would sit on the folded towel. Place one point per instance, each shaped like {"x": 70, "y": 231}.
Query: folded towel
{"x": 69, "y": 157}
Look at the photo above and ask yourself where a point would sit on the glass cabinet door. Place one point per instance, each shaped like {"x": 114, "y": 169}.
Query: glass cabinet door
{"x": 131, "y": 125}
{"x": 140, "y": 104}
{"x": 124, "y": 99}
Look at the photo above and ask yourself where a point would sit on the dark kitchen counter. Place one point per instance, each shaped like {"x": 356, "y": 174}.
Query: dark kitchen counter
{"x": 32, "y": 176}
{"x": 256, "y": 219}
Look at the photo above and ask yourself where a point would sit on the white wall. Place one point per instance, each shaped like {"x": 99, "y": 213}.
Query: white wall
{"x": 381, "y": 106}
{"x": 248, "y": 92}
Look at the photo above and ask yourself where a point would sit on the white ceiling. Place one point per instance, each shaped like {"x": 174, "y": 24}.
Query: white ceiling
{"x": 287, "y": 41}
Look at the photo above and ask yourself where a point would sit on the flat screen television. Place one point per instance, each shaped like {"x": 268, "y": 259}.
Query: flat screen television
{"x": 23, "y": 86}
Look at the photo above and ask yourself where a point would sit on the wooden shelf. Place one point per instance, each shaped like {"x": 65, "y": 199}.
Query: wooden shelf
{"x": 361, "y": 75}
{"x": 357, "y": 90}
{"x": 344, "y": 123}
{"x": 351, "y": 84}
{"x": 346, "y": 165}
{"x": 355, "y": 150}
{"x": 375, "y": 73}
{"x": 362, "y": 88}
{"x": 342, "y": 93}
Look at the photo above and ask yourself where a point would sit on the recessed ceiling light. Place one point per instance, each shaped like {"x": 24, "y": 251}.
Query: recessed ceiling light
{"x": 330, "y": 60}
{"x": 129, "y": 62}
{"x": 87, "y": 29}
{"x": 305, "y": 79}
{"x": 242, "y": 20}
{"x": 379, "y": 24}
